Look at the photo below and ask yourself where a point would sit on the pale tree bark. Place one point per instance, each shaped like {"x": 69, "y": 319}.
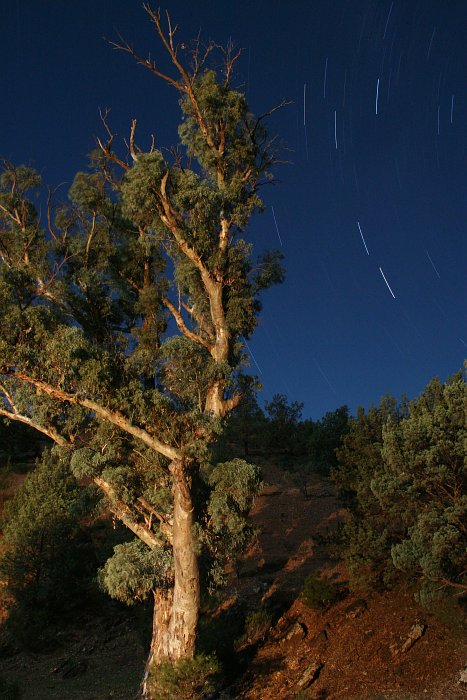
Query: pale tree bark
{"x": 176, "y": 610}
{"x": 186, "y": 597}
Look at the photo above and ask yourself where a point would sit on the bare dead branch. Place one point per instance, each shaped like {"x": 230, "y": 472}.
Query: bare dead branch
{"x": 107, "y": 147}
{"x": 132, "y": 140}
{"x": 145, "y": 62}
{"x": 91, "y": 235}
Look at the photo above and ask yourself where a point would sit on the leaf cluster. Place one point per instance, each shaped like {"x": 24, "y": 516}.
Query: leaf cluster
{"x": 134, "y": 571}
{"x": 186, "y": 679}
{"x": 226, "y": 532}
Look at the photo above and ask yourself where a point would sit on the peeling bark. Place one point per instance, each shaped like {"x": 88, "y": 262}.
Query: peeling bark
{"x": 186, "y": 596}
{"x": 176, "y": 610}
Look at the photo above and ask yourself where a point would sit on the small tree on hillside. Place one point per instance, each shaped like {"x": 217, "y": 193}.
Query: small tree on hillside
{"x": 84, "y": 307}
{"x": 403, "y": 473}
{"x": 325, "y": 437}
{"x": 46, "y": 555}
{"x": 424, "y": 487}
{"x": 283, "y": 424}
{"x": 365, "y": 531}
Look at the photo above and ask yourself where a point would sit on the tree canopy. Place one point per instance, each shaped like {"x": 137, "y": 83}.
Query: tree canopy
{"x": 123, "y": 316}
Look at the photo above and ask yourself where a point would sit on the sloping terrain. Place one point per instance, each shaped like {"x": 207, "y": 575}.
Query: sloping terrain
{"x": 365, "y": 648}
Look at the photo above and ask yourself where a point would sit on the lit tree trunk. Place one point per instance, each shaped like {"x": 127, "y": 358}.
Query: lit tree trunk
{"x": 176, "y": 610}
{"x": 186, "y": 593}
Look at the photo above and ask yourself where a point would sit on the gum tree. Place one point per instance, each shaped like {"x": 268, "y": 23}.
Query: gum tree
{"x": 123, "y": 319}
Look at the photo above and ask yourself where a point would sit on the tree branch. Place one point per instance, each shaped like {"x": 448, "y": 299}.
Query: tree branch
{"x": 50, "y": 432}
{"x": 123, "y": 513}
{"x": 187, "y": 86}
{"x": 120, "y": 509}
{"x": 107, "y": 148}
{"x": 168, "y": 216}
{"x": 114, "y": 417}
{"x": 182, "y": 327}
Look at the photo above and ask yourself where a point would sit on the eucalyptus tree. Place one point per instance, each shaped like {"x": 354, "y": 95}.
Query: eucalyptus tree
{"x": 123, "y": 317}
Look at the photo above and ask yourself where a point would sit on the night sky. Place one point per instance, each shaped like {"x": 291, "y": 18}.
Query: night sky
{"x": 370, "y": 211}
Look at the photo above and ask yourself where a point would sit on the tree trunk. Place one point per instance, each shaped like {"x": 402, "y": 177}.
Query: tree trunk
{"x": 176, "y": 610}
{"x": 186, "y": 594}
{"x": 215, "y": 399}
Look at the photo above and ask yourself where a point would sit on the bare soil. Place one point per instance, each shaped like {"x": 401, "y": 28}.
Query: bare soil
{"x": 354, "y": 647}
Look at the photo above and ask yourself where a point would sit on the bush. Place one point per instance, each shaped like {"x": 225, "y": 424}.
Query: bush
{"x": 318, "y": 592}
{"x": 9, "y": 689}
{"x": 257, "y": 625}
{"x": 187, "y": 679}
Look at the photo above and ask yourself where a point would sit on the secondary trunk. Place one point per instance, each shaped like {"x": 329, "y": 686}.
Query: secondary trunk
{"x": 176, "y": 610}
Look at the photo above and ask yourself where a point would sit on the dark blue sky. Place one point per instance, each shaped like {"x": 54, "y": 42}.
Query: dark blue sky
{"x": 379, "y": 166}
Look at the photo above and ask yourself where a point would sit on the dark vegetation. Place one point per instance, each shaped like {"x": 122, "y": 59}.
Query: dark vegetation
{"x": 402, "y": 472}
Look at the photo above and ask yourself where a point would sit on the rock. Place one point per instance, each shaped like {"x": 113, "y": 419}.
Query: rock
{"x": 298, "y": 631}
{"x": 310, "y": 674}
{"x": 323, "y": 636}
{"x": 281, "y": 623}
{"x": 356, "y": 609}
{"x": 463, "y": 676}
{"x": 416, "y": 632}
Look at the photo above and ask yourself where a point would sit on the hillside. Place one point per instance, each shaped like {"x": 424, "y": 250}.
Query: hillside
{"x": 366, "y": 648}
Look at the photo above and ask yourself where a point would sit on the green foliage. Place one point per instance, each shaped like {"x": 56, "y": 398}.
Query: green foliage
{"x": 227, "y": 532}
{"x": 134, "y": 571}
{"x": 403, "y": 474}
{"x": 47, "y": 558}
{"x": 366, "y": 552}
{"x": 187, "y": 679}
{"x": 257, "y": 625}
{"x": 318, "y": 592}
{"x": 188, "y": 370}
{"x": 366, "y": 532}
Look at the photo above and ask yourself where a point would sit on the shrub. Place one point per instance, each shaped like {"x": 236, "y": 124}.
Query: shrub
{"x": 9, "y": 689}
{"x": 257, "y": 625}
{"x": 187, "y": 679}
{"x": 318, "y": 592}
